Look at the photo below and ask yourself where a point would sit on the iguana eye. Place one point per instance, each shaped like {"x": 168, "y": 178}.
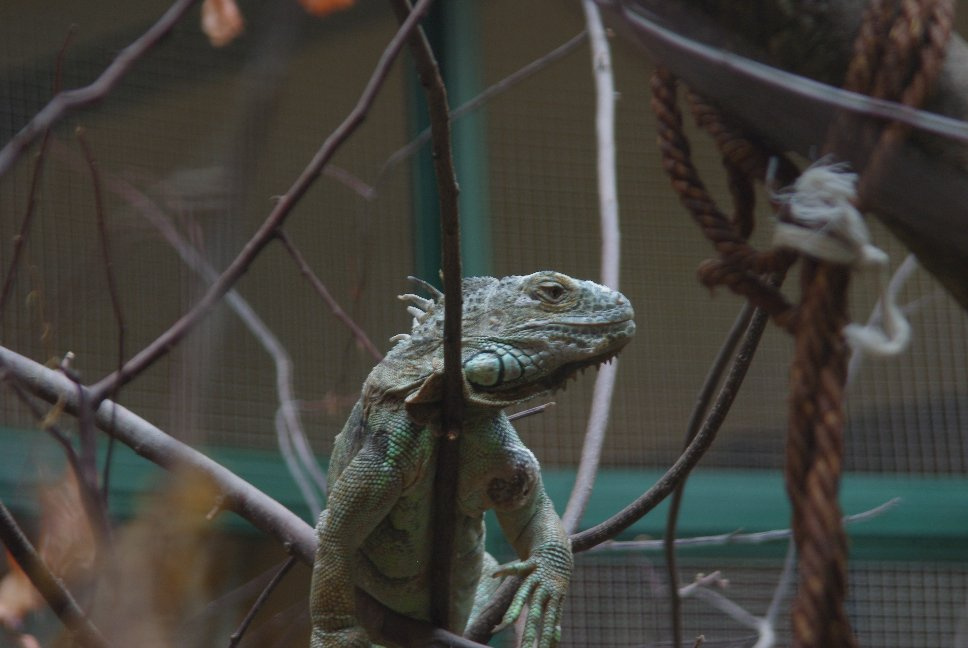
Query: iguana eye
{"x": 549, "y": 291}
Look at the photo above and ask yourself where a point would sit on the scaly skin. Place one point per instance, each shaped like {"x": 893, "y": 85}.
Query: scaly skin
{"x": 522, "y": 336}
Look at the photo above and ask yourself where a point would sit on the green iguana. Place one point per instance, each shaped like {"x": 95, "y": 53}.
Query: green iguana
{"x": 522, "y": 336}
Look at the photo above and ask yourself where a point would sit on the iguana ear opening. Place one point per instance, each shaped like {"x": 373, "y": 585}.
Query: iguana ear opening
{"x": 424, "y": 404}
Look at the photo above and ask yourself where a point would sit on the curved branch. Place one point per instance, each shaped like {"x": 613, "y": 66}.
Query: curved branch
{"x": 591, "y": 451}
{"x": 692, "y": 454}
{"x": 240, "y": 496}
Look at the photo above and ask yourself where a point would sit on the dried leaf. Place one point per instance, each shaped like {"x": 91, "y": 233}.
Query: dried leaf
{"x": 325, "y": 7}
{"x": 64, "y": 542}
{"x": 17, "y": 596}
{"x": 222, "y": 21}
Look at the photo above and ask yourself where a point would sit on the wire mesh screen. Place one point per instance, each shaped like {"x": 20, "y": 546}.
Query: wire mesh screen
{"x": 196, "y": 146}
{"x": 621, "y": 601}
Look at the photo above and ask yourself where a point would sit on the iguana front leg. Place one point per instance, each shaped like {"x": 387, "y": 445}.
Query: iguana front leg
{"x": 361, "y": 497}
{"x": 537, "y": 536}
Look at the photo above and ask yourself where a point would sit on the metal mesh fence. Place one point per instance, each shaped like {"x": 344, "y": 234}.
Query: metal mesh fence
{"x": 209, "y": 138}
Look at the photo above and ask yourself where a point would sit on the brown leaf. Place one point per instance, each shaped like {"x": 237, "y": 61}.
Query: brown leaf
{"x": 325, "y": 7}
{"x": 222, "y": 21}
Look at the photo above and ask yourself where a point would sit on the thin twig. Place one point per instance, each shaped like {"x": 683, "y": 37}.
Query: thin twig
{"x": 68, "y": 101}
{"x": 783, "y": 587}
{"x": 260, "y": 601}
{"x": 50, "y": 587}
{"x": 361, "y": 337}
{"x": 174, "y": 334}
{"x": 112, "y": 289}
{"x": 735, "y": 537}
{"x": 91, "y": 499}
{"x": 704, "y": 398}
{"x": 585, "y": 540}
{"x": 293, "y": 444}
{"x": 87, "y": 474}
{"x": 452, "y": 406}
{"x": 472, "y": 104}
{"x": 20, "y": 240}
{"x": 617, "y": 523}
{"x": 591, "y": 452}
{"x": 537, "y": 409}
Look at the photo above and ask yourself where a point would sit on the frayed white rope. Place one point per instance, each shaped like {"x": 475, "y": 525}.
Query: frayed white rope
{"x": 824, "y": 224}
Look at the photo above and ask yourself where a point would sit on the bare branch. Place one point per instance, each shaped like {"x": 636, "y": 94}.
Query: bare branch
{"x": 703, "y": 400}
{"x": 361, "y": 337}
{"x": 537, "y": 409}
{"x": 236, "y": 494}
{"x": 614, "y": 525}
{"x": 486, "y": 95}
{"x": 591, "y": 452}
{"x": 293, "y": 444}
{"x": 151, "y": 443}
{"x": 585, "y": 540}
{"x": 259, "y": 602}
{"x": 21, "y": 239}
{"x": 68, "y": 101}
{"x": 49, "y": 586}
{"x": 452, "y": 407}
{"x": 94, "y": 505}
{"x": 171, "y": 337}
{"x": 112, "y": 288}
{"x": 735, "y": 537}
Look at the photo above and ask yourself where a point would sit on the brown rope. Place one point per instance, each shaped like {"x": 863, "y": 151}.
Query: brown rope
{"x": 898, "y": 54}
{"x": 738, "y": 266}
{"x": 814, "y": 456}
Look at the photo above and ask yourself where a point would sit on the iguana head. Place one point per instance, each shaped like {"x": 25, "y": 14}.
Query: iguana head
{"x": 522, "y": 336}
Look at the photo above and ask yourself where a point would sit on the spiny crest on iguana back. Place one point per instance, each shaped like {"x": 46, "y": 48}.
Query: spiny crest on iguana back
{"x": 522, "y": 336}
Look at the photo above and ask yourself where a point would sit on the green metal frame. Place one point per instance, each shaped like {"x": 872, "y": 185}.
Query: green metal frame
{"x": 929, "y": 523}
{"x": 452, "y": 29}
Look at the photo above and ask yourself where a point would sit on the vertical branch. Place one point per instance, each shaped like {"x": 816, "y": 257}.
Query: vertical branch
{"x": 49, "y": 586}
{"x": 611, "y": 249}
{"x": 453, "y": 393}
{"x": 703, "y": 400}
{"x": 112, "y": 287}
{"x": 21, "y": 238}
{"x": 91, "y": 499}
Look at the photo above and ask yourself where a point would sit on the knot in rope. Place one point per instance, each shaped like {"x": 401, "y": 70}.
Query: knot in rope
{"x": 823, "y": 222}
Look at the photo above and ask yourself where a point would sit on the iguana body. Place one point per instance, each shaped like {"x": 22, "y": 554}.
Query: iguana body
{"x": 522, "y": 336}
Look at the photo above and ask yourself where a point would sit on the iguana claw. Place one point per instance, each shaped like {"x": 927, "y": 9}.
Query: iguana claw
{"x": 543, "y": 590}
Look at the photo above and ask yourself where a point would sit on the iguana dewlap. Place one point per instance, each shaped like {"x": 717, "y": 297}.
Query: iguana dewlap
{"x": 522, "y": 336}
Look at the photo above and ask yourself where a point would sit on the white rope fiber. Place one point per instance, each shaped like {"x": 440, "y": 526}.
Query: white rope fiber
{"x": 823, "y": 223}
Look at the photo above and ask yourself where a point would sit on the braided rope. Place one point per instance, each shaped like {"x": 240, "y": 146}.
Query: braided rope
{"x": 739, "y": 266}
{"x": 814, "y": 455}
{"x": 898, "y": 54}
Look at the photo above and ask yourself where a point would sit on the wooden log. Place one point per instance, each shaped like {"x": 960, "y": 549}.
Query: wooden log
{"x": 719, "y": 48}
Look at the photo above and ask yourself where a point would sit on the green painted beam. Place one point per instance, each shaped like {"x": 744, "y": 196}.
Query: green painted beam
{"x": 929, "y": 523}
{"x": 453, "y": 31}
